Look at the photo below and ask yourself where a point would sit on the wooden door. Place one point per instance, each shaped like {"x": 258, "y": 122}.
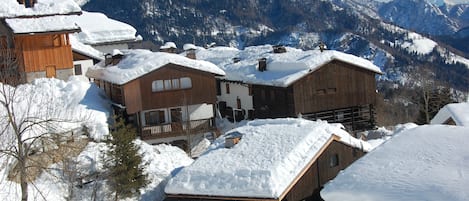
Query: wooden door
{"x": 176, "y": 119}
{"x": 50, "y": 71}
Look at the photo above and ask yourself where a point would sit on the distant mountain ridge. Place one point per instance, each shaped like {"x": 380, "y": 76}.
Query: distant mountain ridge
{"x": 359, "y": 27}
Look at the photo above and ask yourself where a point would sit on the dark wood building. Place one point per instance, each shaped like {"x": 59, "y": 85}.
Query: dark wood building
{"x": 36, "y": 51}
{"x": 333, "y": 156}
{"x": 336, "y": 92}
{"x": 167, "y": 103}
{"x": 327, "y": 85}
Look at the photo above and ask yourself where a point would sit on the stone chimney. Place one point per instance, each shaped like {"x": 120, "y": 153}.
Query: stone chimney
{"x": 114, "y": 58}
{"x": 279, "y": 49}
{"x": 190, "y": 51}
{"x": 169, "y": 47}
{"x": 27, "y": 3}
{"x": 262, "y": 66}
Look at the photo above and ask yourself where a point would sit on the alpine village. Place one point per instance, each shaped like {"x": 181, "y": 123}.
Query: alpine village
{"x": 92, "y": 110}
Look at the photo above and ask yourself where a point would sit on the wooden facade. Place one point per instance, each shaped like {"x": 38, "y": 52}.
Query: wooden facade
{"x": 39, "y": 52}
{"x": 137, "y": 96}
{"x": 337, "y": 92}
{"x": 332, "y": 158}
{"x": 47, "y": 54}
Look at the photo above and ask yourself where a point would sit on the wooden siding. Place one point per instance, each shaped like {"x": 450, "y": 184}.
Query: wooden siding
{"x": 132, "y": 97}
{"x": 39, "y": 51}
{"x": 203, "y": 89}
{"x": 272, "y": 102}
{"x": 333, "y": 86}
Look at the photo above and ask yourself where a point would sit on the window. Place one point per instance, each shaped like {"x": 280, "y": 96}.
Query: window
{"x": 154, "y": 117}
{"x": 167, "y": 85}
{"x": 173, "y": 84}
{"x": 334, "y": 160}
{"x": 227, "y": 88}
{"x": 218, "y": 87}
{"x": 186, "y": 83}
{"x": 157, "y": 85}
{"x": 78, "y": 69}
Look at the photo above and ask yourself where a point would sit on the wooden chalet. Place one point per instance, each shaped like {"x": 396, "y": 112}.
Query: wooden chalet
{"x": 332, "y": 156}
{"x": 168, "y": 97}
{"x": 326, "y": 85}
{"x": 36, "y": 45}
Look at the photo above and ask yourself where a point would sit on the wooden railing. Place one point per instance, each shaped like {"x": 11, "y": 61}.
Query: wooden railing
{"x": 354, "y": 119}
{"x": 177, "y": 129}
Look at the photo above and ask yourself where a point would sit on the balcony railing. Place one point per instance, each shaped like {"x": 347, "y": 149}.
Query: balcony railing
{"x": 177, "y": 129}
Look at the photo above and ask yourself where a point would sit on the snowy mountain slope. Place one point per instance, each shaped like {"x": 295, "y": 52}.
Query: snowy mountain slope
{"x": 352, "y": 26}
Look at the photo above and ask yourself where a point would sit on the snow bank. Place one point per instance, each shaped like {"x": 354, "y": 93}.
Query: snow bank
{"x": 11, "y": 8}
{"x": 41, "y": 24}
{"x": 73, "y": 104}
{"x": 424, "y": 163}
{"x": 137, "y": 63}
{"x": 282, "y": 68}
{"x": 269, "y": 156}
{"x": 459, "y": 112}
{"x": 97, "y": 28}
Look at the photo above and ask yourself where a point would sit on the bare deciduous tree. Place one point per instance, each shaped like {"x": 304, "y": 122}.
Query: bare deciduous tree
{"x": 28, "y": 120}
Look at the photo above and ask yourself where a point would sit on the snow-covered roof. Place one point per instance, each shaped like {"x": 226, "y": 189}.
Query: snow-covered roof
{"x": 168, "y": 45}
{"x": 97, "y": 28}
{"x": 11, "y": 8}
{"x": 425, "y": 163}
{"x": 283, "y": 69}
{"x": 42, "y": 24}
{"x": 83, "y": 49}
{"x": 269, "y": 156}
{"x": 459, "y": 112}
{"x": 137, "y": 63}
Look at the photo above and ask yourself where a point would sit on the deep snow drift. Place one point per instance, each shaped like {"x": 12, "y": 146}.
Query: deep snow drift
{"x": 425, "y": 163}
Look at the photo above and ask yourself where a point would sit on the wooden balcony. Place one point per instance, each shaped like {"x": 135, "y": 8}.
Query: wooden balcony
{"x": 177, "y": 129}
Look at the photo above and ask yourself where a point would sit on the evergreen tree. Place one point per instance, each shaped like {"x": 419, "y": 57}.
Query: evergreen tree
{"x": 123, "y": 162}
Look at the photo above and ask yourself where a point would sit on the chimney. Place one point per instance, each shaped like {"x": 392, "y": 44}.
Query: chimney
{"x": 322, "y": 46}
{"x": 262, "y": 64}
{"x": 107, "y": 59}
{"x": 231, "y": 141}
{"x": 114, "y": 58}
{"x": 236, "y": 60}
{"x": 169, "y": 47}
{"x": 27, "y": 3}
{"x": 279, "y": 49}
{"x": 190, "y": 51}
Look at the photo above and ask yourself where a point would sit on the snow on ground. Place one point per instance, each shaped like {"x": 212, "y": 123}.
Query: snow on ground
{"x": 282, "y": 68}
{"x": 75, "y": 104}
{"x": 78, "y": 98}
{"x": 424, "y": 163}
{"x": 140, "y": 62}
{"x": 262, "y": 164}
{"x": 11, "y": 8}
{"x": 97, "y": 28}
{"x": 459, "y": 112}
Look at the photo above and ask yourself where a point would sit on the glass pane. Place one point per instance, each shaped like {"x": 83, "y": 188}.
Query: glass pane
{"x": 157, "y": 85}
{"x": 167, "y": 84}
{"x": 175, "y": 83}
{"x": 186, "y": 83}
